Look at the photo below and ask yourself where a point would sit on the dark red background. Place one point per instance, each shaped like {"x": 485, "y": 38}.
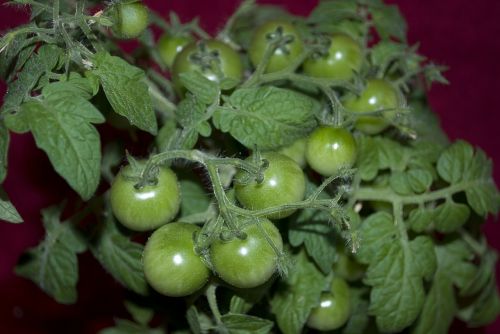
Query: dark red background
{"x": 461, "y": 34}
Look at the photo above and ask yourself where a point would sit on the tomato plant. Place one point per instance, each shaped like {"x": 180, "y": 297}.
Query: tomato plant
{"x": 329, "y": 149}
{"x": 296, "y": 151}
{"x": 169, "y": 46}
{"x": 249, "y": 262}
{"x": 288, "y": 49}
{"x": 343, "y": 58}
{"x": 150, "y": 206}
{"x": 378, "y": 95}
{"x": 131, "y": 19}
{"x": 171, "y": 265}
{"x": 334, "y": 308}
{"x": 214, "y": 59}
{"x": 283, "y": 182}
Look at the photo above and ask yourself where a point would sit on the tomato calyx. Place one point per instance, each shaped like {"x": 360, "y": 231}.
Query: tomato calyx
{"x": 280, "y": 40}
{"x": 207, "y": 60}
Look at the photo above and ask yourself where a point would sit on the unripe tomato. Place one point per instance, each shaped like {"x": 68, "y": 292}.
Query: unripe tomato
{"x": 284, "y": 183}
{"x": 131, "y": 19}
{"x": 146, "y": 208}
{"x": 250, "y": 262}
{"x": 329, "y": 149}
{"x": 344, "y": 57}
{"x": 334, "y": 307}
{"x": 377, "y": 95}
{"x": 284, "y": 54}
{"x": 296, "y": 151}
{"x": 170, "y": 46}
{"x": 171, "y": 265}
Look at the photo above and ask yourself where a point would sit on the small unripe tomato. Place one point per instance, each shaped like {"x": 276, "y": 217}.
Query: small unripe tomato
{"x": 130, "y": 19}
{"x": 249, "y": 262}
{"x": 334, "y": 307}
{"x": 378, "y": 94}
{"x": 146, "y": 208}
{"x": 170, "y": 46}
{"x": 296, "y": 151}
{"x": 284, "y": 183}
{"x": 170, "y": 263}
{"x": 284, "y": 54}
{"x": 329, "y": 149}
{"x": 344, "y": 57}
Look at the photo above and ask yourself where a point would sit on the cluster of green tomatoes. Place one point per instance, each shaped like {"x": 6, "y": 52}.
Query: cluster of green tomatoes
{"x": 171, "y": 262}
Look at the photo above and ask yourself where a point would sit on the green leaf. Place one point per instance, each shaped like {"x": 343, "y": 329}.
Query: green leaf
{"x": 61, "y": 126}
{"x": 359, "y": 319}
{"x": 395, "y": 271}
{"x": 453, "y": 162}
{"x": 420, "y": 219}
{"x": 120, "y": 256}
{"x": 389, "y": 22}
{"x": 45, "y": 60}
{"x": 52, "y": 265}
{"x": 4, "y": 150}
{"x": 482, "y": 276}
{"x": 8, "y": 212}
{"x": 440, "y": 307}
{"x": 384, "y": 52}
{"x": 297, "y": 295}
{"x": 367, "y": 160}
{"x": 400, "y": 184}
{"x": 74, "y": 85}
{"x": 13, "y": 57}
{"x": 450, "y": 216}
{"x": 239, "y": 305}
{"x": 246, "y": 324}
{"x": 195, "y": 199}
{"x": 426, "y": 124}
{"x": 126, "y": 91}
{"x": 191, "y": 115}
{"x": 391, "y": 154}
{"x": 129, "y": 327}
{"x": 419, "y": 180}
{"x": 140, "y": 314}
{"x": 193, "y": 319}
{"x": 267, "y": 117}
{"x": 205, "y": 90}
{"x": 485, "y": 308}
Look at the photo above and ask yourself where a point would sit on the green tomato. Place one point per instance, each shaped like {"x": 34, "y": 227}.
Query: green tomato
{"x": 329, "y": 149}
{"x": 334, "y": 307}
{"x": 146, "y": 208}
{"x": 131, "y": 19}
{"x": 343, "y": 59}
{"x": 377, "y": 95}
{"x": 170, "y": 263}
{"x": 296, "y": 151}
{"x": 347, "y": 267}
{"x": 214, "y": 59}
{"x": 284, "y": 183}
{"x": 249, "y": 262}
{"x": 284, "y": 54}
{"x": 170, "y": 46}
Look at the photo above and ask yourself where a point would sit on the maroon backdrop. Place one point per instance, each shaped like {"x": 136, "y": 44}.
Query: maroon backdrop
{"x": 461, "y": 34}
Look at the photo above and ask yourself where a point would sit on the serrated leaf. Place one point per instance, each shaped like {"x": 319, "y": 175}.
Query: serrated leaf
{"x": 74, "y": 85}
{"x": 333, "y": 11}
{"x": 450, "y": 216}
{"x": 359, "y": 319}
{"x": 191, "y": 116}
{"x": 395, "y": 272}
{"x": 8, "y": 212}
{"x": 195, "y": 199}
{"x": 391, "y": 155}
{"x": 266, "y": 117}
{"x": 205, "y": 90}
{"x": 246, "y": 324}
{"x": 19, "y": 90}
{"x": 453, "y": 161}
{"x": 120, "y": 256}
{"x": 453, "y": 269}
{"x": 389, "y": 22}
{"x": 425, "y": 258}
{"x": 419, "y": 180}
{"x": 400, "y": 184}
{"x": 4, "y": 150}
{"x": 52, "y": 265}
{"x": 61, "y": 126}
{"x": 384, "y": 52}
{"x": 126, "y": 91}
{"x": 420, "y": 219}
{"x": 297, "y": 295}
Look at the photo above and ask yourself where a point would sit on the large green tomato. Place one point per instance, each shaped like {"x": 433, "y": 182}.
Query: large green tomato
{"x": 250, "y": 262}
{"x": 343, "y": 59}
{"x": 131, "y": 19}
{"x": 329, "y": 149}
{"x": 284, "y": 54}
{"x": 334, "y": 307}
{"x": 171, "y": 265}
{"x": 170, "y": 46}
{"x": 214, "y": 59}
{"x": 146, "y": 208}
{"x": 377, "y": 95}
{"x": 284, "y": 183}
{"x": 347, "y": 267}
